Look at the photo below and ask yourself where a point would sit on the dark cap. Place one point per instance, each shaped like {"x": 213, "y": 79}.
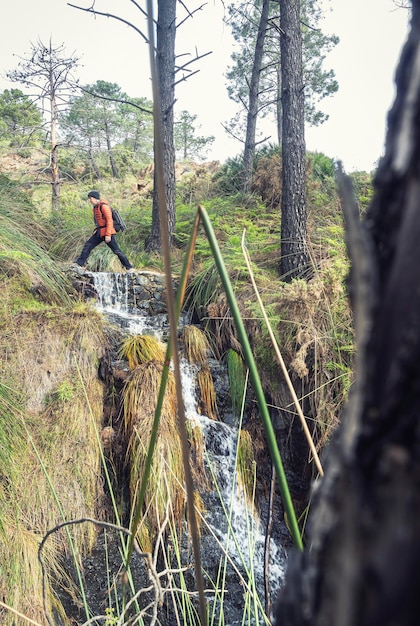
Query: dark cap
{"x": 94, "y": 194}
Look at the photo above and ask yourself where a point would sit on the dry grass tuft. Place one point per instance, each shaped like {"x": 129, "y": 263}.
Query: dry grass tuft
{"x": 313, "y": 324}
{"x": 208, "y": 405}
{"x": 196, "y": 439}
{"x": 236, "y": 375}
{"x": 166, "y": 478}
{"x": 195, "y": 345}
{"x": 53, "y": 351}
{"x": 140, "y": 349}
{"x": 246, "y": 465}
{"x": 221, "y": 327}
{"x": 196, "y": 348}
{"x": 24, "y": 578}
{"x": 267, "y": 180}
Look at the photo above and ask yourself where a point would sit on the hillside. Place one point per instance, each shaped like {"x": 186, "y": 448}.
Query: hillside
{"x": 60, "y": 394}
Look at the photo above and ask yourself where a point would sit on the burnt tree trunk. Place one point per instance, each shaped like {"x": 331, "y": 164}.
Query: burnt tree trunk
{"x": 294, "y": 261}
{"x": 360, "y": 566}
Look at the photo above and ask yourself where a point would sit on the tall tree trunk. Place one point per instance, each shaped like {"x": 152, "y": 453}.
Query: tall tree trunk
{"x": 254, "y": 88}
{"x": 114, "y": 168}
{"x": 137, "y": 138}
{"x": 55, "y": 173}
{"x": 92, "y": 161}
{"x": 294, "y": 260}
{"x": 165, "y": 54}
{"x": 361, "y": 564}
{"x": 279, "y": 107}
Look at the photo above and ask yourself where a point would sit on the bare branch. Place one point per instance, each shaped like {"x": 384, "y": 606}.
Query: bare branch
{"x": 257, "y": 143}
{"x": 196, "y": 58}
{"x": 111, "y": 15}
{"x": 136, "y": 4}
{"x": 185, "y": 78}
{"x": 133, "y": 104}
{"x": 189, "y": 13}
{"x": 185, "y": 66}
{"x": 83, "y": 520}
{"x": 230, "y": 132}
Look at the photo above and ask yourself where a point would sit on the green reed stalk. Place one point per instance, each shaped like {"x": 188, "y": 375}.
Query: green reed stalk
{"x": 165, "y": 372}
{"x": 281, "y": 361}
{"x": 255, "y": 379}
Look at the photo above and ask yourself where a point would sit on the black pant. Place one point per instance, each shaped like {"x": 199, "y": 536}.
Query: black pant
{"x": 94, "y": 241}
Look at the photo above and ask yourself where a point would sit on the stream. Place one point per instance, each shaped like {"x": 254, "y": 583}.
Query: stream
{"x": 233, "y": 541}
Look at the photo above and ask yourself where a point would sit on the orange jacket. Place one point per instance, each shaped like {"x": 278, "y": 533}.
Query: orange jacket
{"x": 103, "y": 219}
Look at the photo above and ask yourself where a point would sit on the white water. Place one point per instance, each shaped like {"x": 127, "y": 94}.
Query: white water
{"x": 113, "y": 301}
{"x": 242, "y": 537}
{"x": 244, "y": 541}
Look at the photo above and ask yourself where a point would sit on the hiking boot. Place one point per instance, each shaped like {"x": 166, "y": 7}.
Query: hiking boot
{"x": 131, "y": 270}
{"x": 79, "y": 269}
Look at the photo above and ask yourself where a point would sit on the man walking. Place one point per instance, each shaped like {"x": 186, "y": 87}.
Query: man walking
{"x": 104, "y": 231}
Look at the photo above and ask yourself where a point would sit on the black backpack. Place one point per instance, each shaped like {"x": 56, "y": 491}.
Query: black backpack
{"x": 119, "y": 223}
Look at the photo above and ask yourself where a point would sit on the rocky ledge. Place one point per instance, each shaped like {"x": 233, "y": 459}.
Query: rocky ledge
{"x": 144, "y": 291}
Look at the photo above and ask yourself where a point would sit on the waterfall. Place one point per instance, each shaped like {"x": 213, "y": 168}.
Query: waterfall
{"x": 229, "y": 517}
{"x": 116, "y": 299}
{"x": 112, "y": 290}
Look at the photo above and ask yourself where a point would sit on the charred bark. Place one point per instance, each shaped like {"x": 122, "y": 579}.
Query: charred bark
{"x": 360, "y": 565}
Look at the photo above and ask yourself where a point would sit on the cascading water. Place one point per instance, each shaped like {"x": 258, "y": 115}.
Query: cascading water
{"x": 113, "y": 301}
{"x": 229, "y": 518}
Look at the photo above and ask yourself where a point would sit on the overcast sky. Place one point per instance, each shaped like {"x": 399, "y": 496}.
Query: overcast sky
{"x": 371, "y": 33}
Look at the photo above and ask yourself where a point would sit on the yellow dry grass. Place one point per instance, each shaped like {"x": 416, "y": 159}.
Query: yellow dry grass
{"x": 246, "y": 465}
{"x": 140, "y": 349}
{"x": 195, "y": 345}
{"x": 208, "y": 403}
{"x": 26, "y": 577}
{"x": 196, "y": 349}
{"x": 196, "y": 440}
{"x": 314, "y": 330}
{"x": 58, "y": 472}
{"x": 166, "y": 478}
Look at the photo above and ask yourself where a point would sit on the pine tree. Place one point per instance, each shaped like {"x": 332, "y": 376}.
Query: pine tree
{"x": 47, "y": 72}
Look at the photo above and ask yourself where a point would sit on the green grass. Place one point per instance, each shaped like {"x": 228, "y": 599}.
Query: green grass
{"x": 44, "y": 326}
